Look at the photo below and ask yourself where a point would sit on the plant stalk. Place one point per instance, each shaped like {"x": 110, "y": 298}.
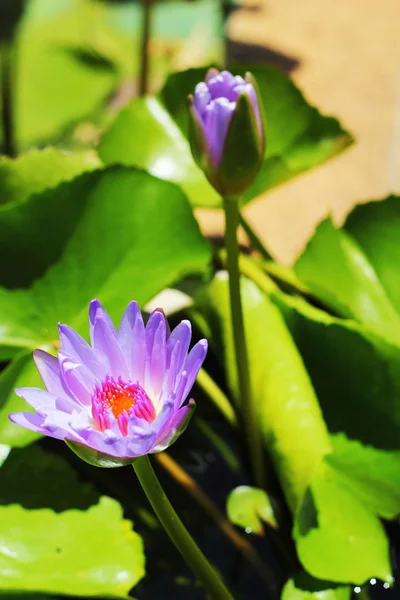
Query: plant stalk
{"x": 7, "y": 106}
{"x": 254, "y": 239}
{"x": 145, "y": 48}
{"x": 177, "y": 532}
{"x": 250, "y": 418}
{"x": 216, "y": 396}
{"x": 237, "y": 539}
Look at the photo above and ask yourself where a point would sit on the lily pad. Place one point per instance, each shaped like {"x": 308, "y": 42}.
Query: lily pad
{"x": 305, "y": 587}
{"x": 83, "y": 553}
{"x": 151, "y": 240}
{"x": 249, "y": 508}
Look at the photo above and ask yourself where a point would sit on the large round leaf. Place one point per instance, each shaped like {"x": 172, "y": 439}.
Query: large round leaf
{"x": 357, "y": 378}
{"x": 376, "y": 227}
{"x": 291, "y": 419}
{"x": 84, "y": 553}
{"x": 59, "y": 78}
{"x": 39, "y": 170}
{"x": 304, "y": 587}
{"x": 338, "y": 534}
{"x": 56, "y": 537}
{"x": 120, "y": 235}
{"x": 336, "y": 269}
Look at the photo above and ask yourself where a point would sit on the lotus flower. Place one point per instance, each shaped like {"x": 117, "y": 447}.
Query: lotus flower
{"x": 226, "y": 130}
{"x": 120, "y": 397}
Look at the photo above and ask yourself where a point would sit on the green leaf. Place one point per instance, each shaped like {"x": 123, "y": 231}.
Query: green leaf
{"x": 337, "y": 536}
{"x": 85, "y": 553}
{"x": 298, "y": 136}
{"x": 328, "y": 512}
{"x": 305, "y": 587}
{"x": 47, "y": 51}
{"x": 36, "y": 479}
{"x": 28, "y": 597}
{"x": 353, "y": 269}
{"x": 375, "y": 226}
{"x": 372, "y": 474}
{"x": 124, "y": 235}
{"x": 21, "y": 372}
{"x": 249, "y": 507}
{"x": 4, "y": 452}
{"x": 39, "y": 170}
{"x": 56, "y": 541}
{"x": 145, "y": 135}
{"x": 352, "y": 372}
{"x": 291, "y": 420}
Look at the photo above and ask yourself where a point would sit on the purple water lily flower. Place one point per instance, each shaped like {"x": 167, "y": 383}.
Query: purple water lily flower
{"x": 120, "y": 397}
{"x": 217, "y": 102}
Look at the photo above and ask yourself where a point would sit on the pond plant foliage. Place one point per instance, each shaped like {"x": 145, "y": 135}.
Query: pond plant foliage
{"x": 286, "y": 478}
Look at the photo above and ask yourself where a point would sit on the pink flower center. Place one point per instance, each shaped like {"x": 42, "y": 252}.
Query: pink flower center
{"x": 118, "y": 398}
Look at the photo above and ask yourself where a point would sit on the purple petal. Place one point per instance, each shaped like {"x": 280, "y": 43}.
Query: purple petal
{"x": 33, "y": 422}
{"x": 156, "y": 353}
{"x": 211, "y": 74}
{"x": 49, "y": 369}
{"x": 164, "y": 418}
{"x": 172, "y": 373}
{"x": 43, "y": 402}
{"x": 180, "y": 386}
{"x": 202, "y": 97}
{"x": 182, "y": 334}
{"x": 140, "y": 444}
{"x": 53, "y": 426}
{"x": 221, "y": 85}
{"x": 78, "y": 380}
{"x": 176, "y": 428}
{"x": 136, "y": 443}
{"x": 177, "y": 348}
{"x": 131, "y": 337}
{"x": 96, "y": 310}
{"x": 217, "y": 120}
{"x": 79, "y": 351}
{"x": 106, "y": 346}
{"x": 193, "y": 364}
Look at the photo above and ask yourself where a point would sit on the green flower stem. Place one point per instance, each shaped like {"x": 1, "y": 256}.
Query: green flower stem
{"x": 251, "y": 421}
{"x": 252, "y": 270}
{"x": 254, "y": 239}
{"x": 177, "y": 532}
{"x": 217, "y": 396}
{"x": 7, "y": 107}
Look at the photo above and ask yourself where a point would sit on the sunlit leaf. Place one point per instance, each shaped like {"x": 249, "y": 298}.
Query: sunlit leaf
{"x": 123, "y": 235}
{"x": 352, "y": 372}
{"x": 91, "y": 553}
{"x": 35, "y": 478}
{"x": 39, "y": 170}
{"x": 304, "y": 587}
{"x": 335, "y": 269}
{"x": 291, "y": 419}
{"x": 338, "y": 534}
{"x": 249, "y": 508}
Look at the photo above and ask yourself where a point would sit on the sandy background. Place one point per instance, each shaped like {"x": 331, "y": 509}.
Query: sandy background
{"x": 349, "y": 53}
